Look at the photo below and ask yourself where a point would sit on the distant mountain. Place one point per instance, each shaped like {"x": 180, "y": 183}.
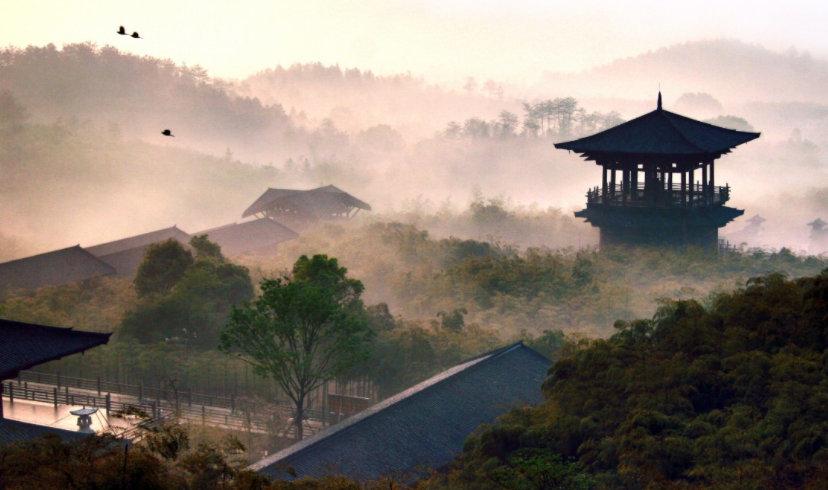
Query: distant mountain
{"x": 358, "y": 99}
{"x": 732, "y": 71}
{"x": 140, "y": 96}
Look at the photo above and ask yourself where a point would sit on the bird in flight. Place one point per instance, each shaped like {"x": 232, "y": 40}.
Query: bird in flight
{"x": 121, "y": 31}
{"x": 135, "y": 35}
{"x": 167, "y": 132}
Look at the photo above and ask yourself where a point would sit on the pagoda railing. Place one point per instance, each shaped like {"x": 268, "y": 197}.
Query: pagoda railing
{"x": 659, "y": 196}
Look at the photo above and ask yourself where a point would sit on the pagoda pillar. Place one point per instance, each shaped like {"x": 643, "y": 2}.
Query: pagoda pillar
{"x": 683, "y": 188}
{"x": 604, "y": 183}
{"x": 705, "y": 188}
{"x": 690, "y": 175}
{"x": 712, "y": 173}
{"x": 612, "y": 181}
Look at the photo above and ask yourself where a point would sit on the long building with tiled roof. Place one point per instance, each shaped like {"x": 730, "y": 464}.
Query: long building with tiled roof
{"x": 256, "y": 236}
{"x": 422, "y": 428}
{"x": 126, "y": 254}
{"x": 56, "y": 268}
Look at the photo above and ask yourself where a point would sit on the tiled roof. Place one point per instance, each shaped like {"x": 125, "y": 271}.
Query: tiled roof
{"x": 250, "y": 236}
{"x": 12, "y": 431}
{"x": 139, "y": 241}
{"x": 54, "y": 268}
{"x": 423, "y": 427}
{"x": 660, "y": 132}
{"x": 327, "y": 199}
{"x": 25, "y": 345}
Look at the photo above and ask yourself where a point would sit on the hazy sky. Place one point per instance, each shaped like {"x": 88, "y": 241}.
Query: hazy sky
{"x": 444, "y": 40}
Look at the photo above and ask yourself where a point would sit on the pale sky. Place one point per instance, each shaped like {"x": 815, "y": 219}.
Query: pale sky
{"x": 442, "y": 40}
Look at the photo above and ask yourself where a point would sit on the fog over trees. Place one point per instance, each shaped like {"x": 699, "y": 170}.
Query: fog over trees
{"x": 79, "y": 127}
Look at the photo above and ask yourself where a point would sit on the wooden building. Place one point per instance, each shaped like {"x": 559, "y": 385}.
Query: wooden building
{"x": 658, "y": 183}
{"x": 298, "y": 208}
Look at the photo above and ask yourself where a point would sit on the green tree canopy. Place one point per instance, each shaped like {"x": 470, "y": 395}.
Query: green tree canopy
{"x": 731, "y": 395}
{"x": 164, "y": 265}
{"x": 303, "y": 330}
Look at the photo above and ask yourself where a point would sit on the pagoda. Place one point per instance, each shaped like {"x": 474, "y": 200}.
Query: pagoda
{"x": 658, "y": 185}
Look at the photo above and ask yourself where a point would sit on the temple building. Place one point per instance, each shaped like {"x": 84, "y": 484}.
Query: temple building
{"x": 299, "y": 208}
{"x": 658, "y": 183}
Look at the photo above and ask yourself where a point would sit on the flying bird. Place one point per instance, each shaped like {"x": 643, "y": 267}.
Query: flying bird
{"x": 167, "y": 132}
{"x": 135, "y": 35}
{"x": 121, "y": 31}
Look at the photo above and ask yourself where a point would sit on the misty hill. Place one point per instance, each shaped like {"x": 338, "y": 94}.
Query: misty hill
{"x": 140, "y": 96}
{"x": 356, "y": 99}
{"x": 733, "y": 71}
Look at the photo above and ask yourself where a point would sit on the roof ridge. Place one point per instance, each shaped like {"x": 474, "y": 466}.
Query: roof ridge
{"x": 680, "y": 133}
{"x": 396, "y": 399}
{"x": 705, "y": 123}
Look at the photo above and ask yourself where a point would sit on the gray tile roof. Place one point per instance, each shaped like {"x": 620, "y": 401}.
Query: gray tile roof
{"x": 126, "y": 254}
{"x": 25, "y": 345}
{"x": 259, "y": 235}
{"x": 54, "y": 268}
{"x": 12, "y": 431}
{"x": 423, "y": 427}
{"x": 660, "y": 132}
{"x": 322, "y": 200}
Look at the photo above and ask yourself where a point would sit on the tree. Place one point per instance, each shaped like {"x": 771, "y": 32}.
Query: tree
{"x": 304, "y": 329}
{"x": 204, "y": 248}
{"x": 164, "y": 265}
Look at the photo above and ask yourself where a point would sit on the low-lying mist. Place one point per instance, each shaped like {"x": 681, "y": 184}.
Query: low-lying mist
{"x": 91, "y": 165}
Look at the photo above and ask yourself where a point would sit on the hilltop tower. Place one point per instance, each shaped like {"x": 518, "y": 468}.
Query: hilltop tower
{"x": 650, "y": 193}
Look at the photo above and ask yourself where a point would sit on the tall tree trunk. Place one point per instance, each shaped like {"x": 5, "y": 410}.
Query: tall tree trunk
{"x": 299, "y": 417}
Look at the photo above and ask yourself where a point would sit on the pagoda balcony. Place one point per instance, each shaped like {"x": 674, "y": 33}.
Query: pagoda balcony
{"x": 693, "y": 196}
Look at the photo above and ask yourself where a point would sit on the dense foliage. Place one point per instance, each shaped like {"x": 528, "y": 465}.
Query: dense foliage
{"x": 729, "y": 394}
{"x": 303, "y": 330}
{"x": 185, "y": 298}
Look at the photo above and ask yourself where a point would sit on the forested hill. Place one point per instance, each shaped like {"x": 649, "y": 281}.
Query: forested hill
{"x": 729, "y": 395}
{"x": 732, "y": 70}
{"x": 140, "y": 96}
{"x": 356, "y": 99}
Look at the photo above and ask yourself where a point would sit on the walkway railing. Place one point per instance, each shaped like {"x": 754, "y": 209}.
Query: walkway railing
{"x": 695, "y": 195}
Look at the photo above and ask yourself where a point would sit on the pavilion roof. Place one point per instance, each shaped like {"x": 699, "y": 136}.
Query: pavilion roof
{"x": 249, "y": 236}
{"x": 25, "y": 345}
{"x": 659, "y": 133}
{"x": 55, "y": 268}
{"x": 421, "y": 428}
{"x": 321, "y": 200}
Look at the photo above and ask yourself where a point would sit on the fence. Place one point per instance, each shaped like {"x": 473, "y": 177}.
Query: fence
{"x": 230, "y": 412}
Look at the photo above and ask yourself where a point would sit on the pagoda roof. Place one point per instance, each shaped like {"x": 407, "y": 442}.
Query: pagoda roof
{"x": 25, "y": 345}
{"x": 659, "y": 133}
{"x": 420, "y": 428}
{"x": 325, "y": 199}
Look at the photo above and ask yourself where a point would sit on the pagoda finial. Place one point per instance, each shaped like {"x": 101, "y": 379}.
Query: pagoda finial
{"x": 658, "y": 105}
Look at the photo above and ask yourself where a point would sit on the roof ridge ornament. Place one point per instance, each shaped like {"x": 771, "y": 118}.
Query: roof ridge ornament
{"x": 658, "y": 104}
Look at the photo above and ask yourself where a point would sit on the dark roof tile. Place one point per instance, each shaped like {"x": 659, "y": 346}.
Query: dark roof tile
{"x": 660, "y": 132}
{"x": 423, "y": 427}
{"x": 54, "y": 268}
{"x": 25, "y": 345}
{"x": 259, "y": 235}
